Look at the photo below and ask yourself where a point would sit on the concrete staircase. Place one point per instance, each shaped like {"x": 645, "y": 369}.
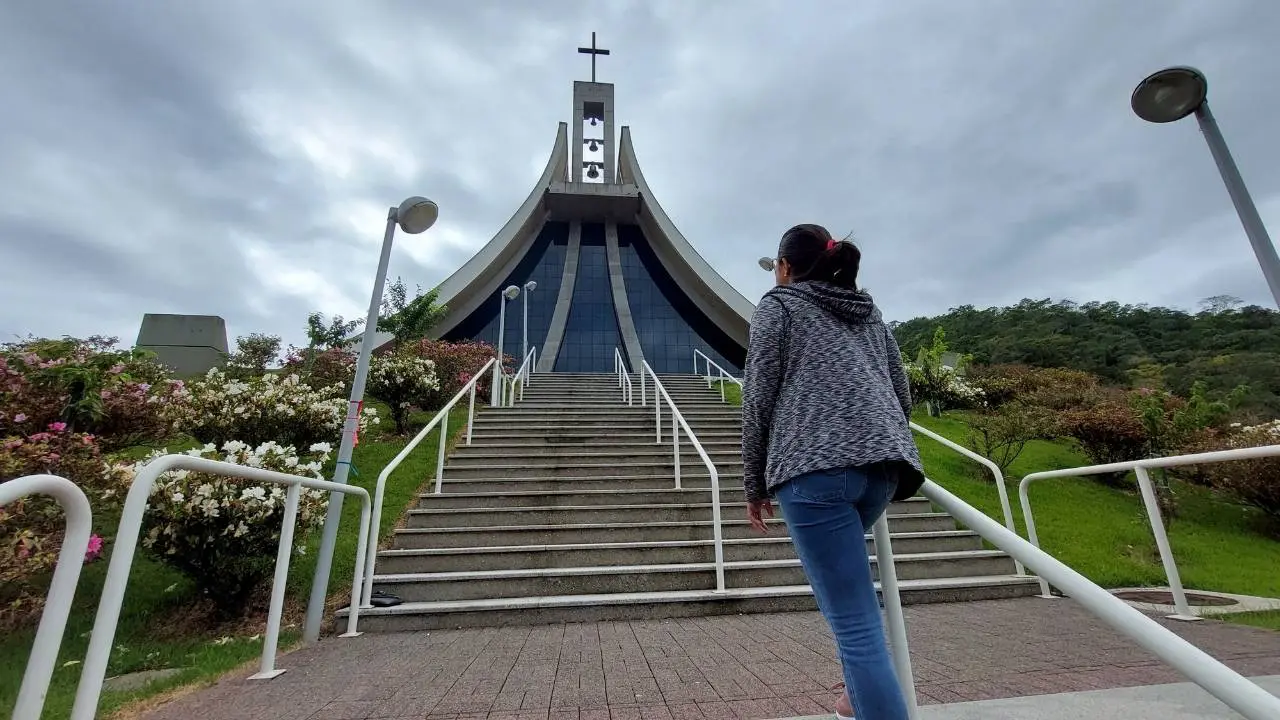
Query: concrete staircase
{"x": 563, "y": 508}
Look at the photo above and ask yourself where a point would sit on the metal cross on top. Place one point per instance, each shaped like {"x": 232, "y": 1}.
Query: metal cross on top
{"x": 593, "y": 51}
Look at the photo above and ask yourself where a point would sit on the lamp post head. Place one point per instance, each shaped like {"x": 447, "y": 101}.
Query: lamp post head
{"x": 511, "y": 292}
{"x": 531, "y": 286}
{"x": 416, "y": 214}
{"x": 1170, "y": 94}
{"x": 766, "y": 264}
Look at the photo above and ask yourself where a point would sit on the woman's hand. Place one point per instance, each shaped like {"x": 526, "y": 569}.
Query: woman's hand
{"x": 756, "y": 512}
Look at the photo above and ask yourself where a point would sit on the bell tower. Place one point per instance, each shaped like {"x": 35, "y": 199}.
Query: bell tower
{"x": 593, "y": 150}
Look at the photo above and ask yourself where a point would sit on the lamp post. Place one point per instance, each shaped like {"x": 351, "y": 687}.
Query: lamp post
{"x": 529, "y": 287}
{"x": 508, "y": 294}
{"x": 1174, "y": 93}
{"x": 414, "y": 215}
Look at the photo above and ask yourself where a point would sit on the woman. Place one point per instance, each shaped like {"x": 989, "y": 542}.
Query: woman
{"x": 825, "y": 408}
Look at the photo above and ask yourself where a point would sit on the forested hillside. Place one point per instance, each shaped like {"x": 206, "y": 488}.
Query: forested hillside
{"x": 1225, "y": 344}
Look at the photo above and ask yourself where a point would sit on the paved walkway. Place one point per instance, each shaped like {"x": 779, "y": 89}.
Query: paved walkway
{"x": 747, "y": 666}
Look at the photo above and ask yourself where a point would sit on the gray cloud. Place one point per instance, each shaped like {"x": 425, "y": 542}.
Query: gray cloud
{"x": 237, "y": 158}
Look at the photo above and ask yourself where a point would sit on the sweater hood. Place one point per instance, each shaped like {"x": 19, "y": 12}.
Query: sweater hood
{"x": 852, "y": 306}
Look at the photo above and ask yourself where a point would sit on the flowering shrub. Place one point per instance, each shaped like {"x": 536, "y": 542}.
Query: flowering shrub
{"x": 223, "y": 532}
{"x": 217, "y": 409}
{"x": 941, "y": 387}
{"x": 403, "y": 379}
{"x": 1106, "y": 432}
{"x": 1253, "y": 482}
{"x": 456, "y": 363}
{"x": 31, "y": 528}
{"x": 322, "y": 368}
{"x": 118, "y": 396}
{"x": 1051, "y": 388}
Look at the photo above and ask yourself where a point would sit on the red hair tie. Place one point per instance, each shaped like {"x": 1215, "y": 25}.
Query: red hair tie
{"x": 831, "y": 244}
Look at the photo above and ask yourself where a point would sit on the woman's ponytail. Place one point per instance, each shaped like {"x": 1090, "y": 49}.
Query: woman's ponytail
{"x": 814, "y": 255}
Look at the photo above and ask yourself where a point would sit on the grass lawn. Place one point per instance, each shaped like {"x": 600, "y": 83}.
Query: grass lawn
{"x": 158, "y": 630}
{"x": 1103, "y": 533}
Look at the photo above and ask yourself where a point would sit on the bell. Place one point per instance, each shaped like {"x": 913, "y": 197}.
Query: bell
{"x": 593, "y": 147}
{"x": 593, "y": 121}
{"x": 593, "y": 173}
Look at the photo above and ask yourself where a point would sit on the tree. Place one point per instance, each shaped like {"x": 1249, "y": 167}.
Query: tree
{"x": 1215, "y": 304}
{"x": 409, "y": 319}
{"x": 333, "y": 335}
{"x": 254, "y": 353}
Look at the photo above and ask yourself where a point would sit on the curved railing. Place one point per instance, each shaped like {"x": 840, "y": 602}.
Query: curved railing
{"x": 62, "y": 589}
{"x": 678, "y": 424}
{"x": 380, "y": 486}
{"x": 1139, "y": 468}
{"x": 89, "y": 691}
{"x": 624, "y": 376}
{"x": 1238, "y": 692}
{"x": 722, "y": 374}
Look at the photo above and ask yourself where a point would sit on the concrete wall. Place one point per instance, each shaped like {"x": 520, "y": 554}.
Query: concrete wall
{"x": 188, "y": 344}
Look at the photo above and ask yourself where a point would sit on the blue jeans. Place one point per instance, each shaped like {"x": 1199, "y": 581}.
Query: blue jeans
{"x": 828, "y": 514}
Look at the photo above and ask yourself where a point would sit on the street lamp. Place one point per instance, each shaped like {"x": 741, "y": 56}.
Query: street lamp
{"x": 1174, "y": 93}
{"x": 508, "y": 294}
{"x": 414, "y": 215}
{"x": 766, "y": 264}
{"x": 529, "y": 287}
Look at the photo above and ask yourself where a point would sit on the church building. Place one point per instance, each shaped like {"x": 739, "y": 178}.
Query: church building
{"x": 610, "y": 267}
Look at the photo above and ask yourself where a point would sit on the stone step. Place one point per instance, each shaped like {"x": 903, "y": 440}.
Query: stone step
{"x": 514, "y": 439}
{"x": 512, "y": 557}
{"x": 453, "y": 484}
{"x": 566, "y": 514}
{"x": 599, "y": 426}
{"x": 733, "y": 526}
{"x": 566, "y": 413}
{"x": 606, "y": 579}
{"x": 566, "y": 470}
{"x": 409, "y": 617}
{"x": 722, "y": 457}
{"x": 570, "y": 496}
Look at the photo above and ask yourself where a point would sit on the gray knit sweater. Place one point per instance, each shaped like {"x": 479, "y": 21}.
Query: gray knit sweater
{"x": 824, "y": 388}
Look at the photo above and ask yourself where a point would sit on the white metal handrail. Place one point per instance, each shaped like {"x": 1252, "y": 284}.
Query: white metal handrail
{"x": 1001, "y": 490}
{"x": 723, "y": 374}
{"x": 678, "y": 424}
{"x": 1139, "y": 468}
{"x": 521, "y": 378}
{"x": 53, "y": 620}
{"x": 1238, "y": 692}
{"x": 89, "y": 690}
{"x": 624, "y": 376}
{"x": 380, "y": 486}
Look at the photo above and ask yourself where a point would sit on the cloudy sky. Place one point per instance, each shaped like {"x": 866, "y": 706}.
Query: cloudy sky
{"x": 236, "y": 157}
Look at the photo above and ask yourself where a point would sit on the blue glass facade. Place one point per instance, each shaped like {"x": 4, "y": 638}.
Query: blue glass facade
{"x": 669, "y": 324}
{"x": 543, "y": 263}
{"x": 591, "y": 331}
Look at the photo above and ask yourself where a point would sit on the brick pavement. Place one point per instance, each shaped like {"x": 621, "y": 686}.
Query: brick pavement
{"x": 713, "y": 668}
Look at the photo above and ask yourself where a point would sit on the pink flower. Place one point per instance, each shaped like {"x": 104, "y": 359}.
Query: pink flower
{"x": 94, "y": 550}
{"x": 116, "y": 369}
{"x": 20, "y": 417}
{"x": 57, "y": 427}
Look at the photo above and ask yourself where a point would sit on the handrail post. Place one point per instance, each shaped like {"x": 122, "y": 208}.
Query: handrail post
{"x": 675, "y": 443}
{"x": 78, "y": 526}
{"x": 893, "y": 613}
{"x": 471, "y": 413}
{"x": 267, "y": 666}
{"x": 1180, "y": 605}
{"x": 444, "y": 440}
{"x": 1032, "y": 535}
